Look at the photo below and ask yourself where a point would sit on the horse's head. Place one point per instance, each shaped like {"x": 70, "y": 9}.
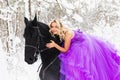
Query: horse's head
{"x": 36, "y": 36}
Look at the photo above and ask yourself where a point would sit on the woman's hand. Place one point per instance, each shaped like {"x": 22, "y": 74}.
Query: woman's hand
{"x": 51, "y": 44}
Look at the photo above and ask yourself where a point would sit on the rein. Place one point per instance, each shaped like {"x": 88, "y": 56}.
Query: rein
{"x": 42, "y": 50}
{"x": 38, "y": 42}
{"x": 37, "y": 47}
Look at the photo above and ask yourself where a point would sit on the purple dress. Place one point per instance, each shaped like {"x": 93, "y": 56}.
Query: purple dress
{"x": 89, "y": 58}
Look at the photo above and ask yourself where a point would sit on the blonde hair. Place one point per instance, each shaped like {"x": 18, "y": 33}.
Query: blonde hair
{"x": 62, "y": 28}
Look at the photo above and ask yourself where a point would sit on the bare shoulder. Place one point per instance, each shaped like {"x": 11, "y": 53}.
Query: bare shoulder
{"x": 69, "y": 34}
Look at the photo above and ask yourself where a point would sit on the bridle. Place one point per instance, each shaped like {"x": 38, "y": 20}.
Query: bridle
{"x": 37, "y": 44}
{"x": 40, "y": 51}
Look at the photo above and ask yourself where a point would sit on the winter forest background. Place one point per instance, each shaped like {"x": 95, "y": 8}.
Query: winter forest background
{"x": 96, "y": 17}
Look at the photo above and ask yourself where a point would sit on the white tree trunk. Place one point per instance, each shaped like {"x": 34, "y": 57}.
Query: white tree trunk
{"x": 27, "y": 9}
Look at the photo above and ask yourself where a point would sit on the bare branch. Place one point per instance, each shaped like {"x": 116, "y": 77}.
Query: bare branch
{"x": 58, "y": 9}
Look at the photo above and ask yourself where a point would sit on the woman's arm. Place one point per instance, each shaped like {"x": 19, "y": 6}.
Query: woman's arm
{"x": 67, "y": 41}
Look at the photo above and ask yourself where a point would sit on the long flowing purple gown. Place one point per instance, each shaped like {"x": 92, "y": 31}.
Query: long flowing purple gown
{"x": 89, "y": 58}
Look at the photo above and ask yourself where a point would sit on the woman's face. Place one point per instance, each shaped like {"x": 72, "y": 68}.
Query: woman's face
{"x": 54, "y": 28}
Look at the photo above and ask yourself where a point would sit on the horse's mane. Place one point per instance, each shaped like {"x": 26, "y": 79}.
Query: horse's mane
{"x": 44, "y": 30}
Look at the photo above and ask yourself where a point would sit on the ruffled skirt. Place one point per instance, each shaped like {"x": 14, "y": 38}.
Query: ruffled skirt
{"x": 90, "y": 59}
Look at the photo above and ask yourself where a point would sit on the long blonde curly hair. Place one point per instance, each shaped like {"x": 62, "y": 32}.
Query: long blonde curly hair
{"x": 62, "y": 28}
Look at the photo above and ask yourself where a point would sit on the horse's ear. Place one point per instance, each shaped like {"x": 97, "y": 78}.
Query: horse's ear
{"x": 25, "y": 20}
{"x": 35, "y": 20}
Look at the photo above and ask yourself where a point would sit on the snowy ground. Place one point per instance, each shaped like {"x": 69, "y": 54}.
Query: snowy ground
{"x": 13, "y": 67}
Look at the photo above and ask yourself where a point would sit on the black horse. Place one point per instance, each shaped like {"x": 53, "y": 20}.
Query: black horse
{"x": 36, "y": 36}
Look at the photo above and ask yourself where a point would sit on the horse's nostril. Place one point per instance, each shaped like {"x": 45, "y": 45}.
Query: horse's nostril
{"x": 30, "y": 59}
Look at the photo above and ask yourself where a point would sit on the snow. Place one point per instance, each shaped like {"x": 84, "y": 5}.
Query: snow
{"x": 3, "y": 67}
{"x": 14, "y": 67}
{"x": 66, "y": 4}
{"x": 77, "y": 18}
{"x": 12, "y": 64}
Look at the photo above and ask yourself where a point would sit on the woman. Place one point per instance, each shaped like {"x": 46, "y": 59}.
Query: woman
{"x": 84, "y": 57}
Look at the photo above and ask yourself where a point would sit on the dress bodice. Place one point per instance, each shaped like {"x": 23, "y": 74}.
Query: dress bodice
{"x": 78, "y": 36}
